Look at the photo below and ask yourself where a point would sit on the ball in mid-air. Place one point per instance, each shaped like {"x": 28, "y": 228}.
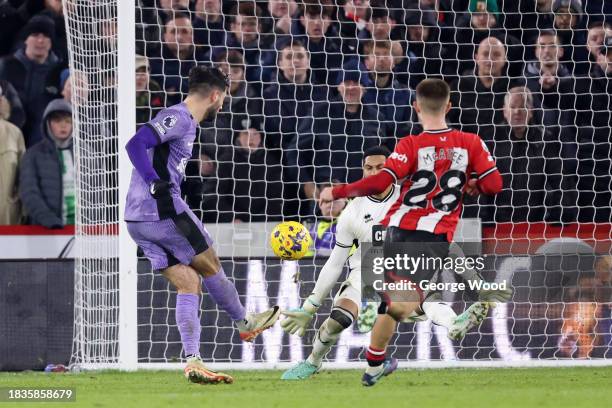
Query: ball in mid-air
{"x": 290, "y": 240}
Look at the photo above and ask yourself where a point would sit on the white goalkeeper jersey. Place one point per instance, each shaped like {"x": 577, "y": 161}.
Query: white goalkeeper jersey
{"x": 354, "y": 226}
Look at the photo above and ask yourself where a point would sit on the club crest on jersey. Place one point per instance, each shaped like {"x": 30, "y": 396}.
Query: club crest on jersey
{"x": 399, "y": 157}
{"x": 169, "y": 121}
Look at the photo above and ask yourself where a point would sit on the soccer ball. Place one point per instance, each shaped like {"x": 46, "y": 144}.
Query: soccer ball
{"x": 290, "y": 240}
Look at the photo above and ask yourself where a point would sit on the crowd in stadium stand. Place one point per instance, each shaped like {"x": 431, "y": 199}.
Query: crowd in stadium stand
{"x": 316, "y": 82}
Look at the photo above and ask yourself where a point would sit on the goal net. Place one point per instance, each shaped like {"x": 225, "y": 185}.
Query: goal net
{"x": 313, "y": 85}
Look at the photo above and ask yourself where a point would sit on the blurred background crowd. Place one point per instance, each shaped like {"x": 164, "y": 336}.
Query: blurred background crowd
{"x": 314, "y": 83}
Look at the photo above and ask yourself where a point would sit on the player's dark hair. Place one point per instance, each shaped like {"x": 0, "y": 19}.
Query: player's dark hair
{"x": 432, "y": 94}
{"x": 549, "y": 33}
{"x": 376, "y": 151}
{"x": 204, "y": 79}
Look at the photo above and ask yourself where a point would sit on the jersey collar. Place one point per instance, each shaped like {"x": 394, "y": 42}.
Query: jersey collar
{"x": 436, "y": 131}
{"x": 385, "y": 198}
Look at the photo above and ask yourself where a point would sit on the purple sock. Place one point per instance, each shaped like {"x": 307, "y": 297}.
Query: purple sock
{"x": 188, "y": 321}
{"x": 225, "y": 295}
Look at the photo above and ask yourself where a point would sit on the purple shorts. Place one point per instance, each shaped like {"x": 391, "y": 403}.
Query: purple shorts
{"x": 171, "y": 241}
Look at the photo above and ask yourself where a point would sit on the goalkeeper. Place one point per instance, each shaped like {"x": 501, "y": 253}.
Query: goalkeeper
{"x": 171, "y": 236}
{"x": 354, "y": 226}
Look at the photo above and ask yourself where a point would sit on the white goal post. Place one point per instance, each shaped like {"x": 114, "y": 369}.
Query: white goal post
{"x": 124, "y": 312}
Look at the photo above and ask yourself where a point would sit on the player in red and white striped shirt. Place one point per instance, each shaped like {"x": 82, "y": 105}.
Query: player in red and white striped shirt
{"x": 436, "y": 168}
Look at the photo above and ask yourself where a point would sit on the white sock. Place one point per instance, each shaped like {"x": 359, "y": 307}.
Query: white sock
{"x": 439, "y": 313}
{"x": 324, "y": 341}
{"x": 375, "y": 370}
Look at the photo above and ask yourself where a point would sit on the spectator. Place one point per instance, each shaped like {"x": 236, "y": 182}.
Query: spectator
{"x": 285, "y": 102}
{"x": 425, "y": 53}
{"x": 166, "y": 9}
{"x": 544, "y": 80}
{"x": 283, "y": 13}
{"x": 316, "y": 31}
{"x": 179, "y": 55}
{"x": 74, "y": 82}
{"x": 569, "y": 25}
{"x": 333, "y": 139}
{"x": 241, "y": 100}
{"x": 595, "y": 37}
{"x": 353, "y": 20}
{"x": 17, "y": 115}
{"x": 593, "y": 120}
{"x": 30, "y": 70}
{"x": 531, "y": 165}
{"x": 149, "y": 95}
{"x": 249, "y": 179}
{"x": 324, "y": 230}
{"x": 482, "y": 21}
{"x": 208, "y": 26}
{"x": 201, "y": 187}
{"x": 528, "y": 18}
{"x": 46, "y": 180}
{"x": 478, "y": 96}
{"x": 247, "y": 37}
{"x": 55, "y": 11}
{"x": 11, "y": 150}
{"x": 11, "y": 21}
{"x": 383, "y": 91}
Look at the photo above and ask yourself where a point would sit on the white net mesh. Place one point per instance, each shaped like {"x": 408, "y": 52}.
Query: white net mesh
{"x": 533, "y": 83}
{"x": 92, "y": 39}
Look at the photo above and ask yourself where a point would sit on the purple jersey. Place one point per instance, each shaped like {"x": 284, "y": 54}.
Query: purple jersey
{"x": 176, "y": 130}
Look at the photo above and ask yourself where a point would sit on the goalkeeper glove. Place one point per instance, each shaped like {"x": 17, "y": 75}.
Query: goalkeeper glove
{"x": 160, "y": 188}
{"x": 297, "y": 320}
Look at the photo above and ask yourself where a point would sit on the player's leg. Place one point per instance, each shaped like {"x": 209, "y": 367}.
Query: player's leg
{"x": 188, "y": 285}
{"x": 378, "y": 365}
{"x": 344, "y": 311}
{"x": 196, "y": 249}
{"x": 224, "y": 293}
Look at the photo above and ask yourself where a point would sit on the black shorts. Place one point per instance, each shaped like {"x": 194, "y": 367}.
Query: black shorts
{"x": 415, "y": 244}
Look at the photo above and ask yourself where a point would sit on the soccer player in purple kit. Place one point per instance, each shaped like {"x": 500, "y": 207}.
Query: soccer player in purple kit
{"x": 172, "y": 238}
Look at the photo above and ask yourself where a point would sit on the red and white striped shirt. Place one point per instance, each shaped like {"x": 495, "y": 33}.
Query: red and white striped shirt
{"x": 436, "y": 166}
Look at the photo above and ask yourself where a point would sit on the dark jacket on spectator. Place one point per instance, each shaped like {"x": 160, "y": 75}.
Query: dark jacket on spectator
{"x": 284, "y": 104}
{"x": 32, "y": 83}
{"x": 462, "y": 43}
{"x": 259, "y": 58}
{"x": 219, "y": 132}
{"x": 326, "y": 57}
{"x": 393, "y": 101}
{"x": 594, "y": 120}
{"x": 40, "y": 178}
{"x": 332, "y": 141}
{"x": 172, "y": 73}
{"x": 475, "y": 105}
{"x": 250, "y": 184}
{"x": 535, "y": 188}
{"x": 18, "y": 115}
{"x": 208, "y": 34}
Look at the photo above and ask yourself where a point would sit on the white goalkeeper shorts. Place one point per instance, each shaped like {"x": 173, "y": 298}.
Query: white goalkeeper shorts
{"x": 351, "y": 288}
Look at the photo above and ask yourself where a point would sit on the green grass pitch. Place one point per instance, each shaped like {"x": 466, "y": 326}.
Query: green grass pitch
{"x": 469, "y": 388}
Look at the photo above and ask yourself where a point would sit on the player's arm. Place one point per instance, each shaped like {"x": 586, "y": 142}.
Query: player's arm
{"x": 297, "y": 320}
{"x": 396, "y": 167}
{"x": 488, "y": 180}
{"x": 144, "y": 139}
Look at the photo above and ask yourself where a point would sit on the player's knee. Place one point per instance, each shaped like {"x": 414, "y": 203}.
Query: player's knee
{"x": 339, "y": 319}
